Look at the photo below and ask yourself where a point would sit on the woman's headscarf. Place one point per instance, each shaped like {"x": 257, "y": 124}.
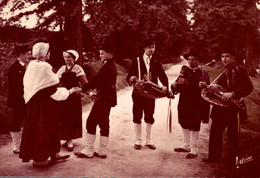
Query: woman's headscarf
{"x": 40, "y": 50}
{"x": 39, "y": 74}
{"x": 73, "y": 52}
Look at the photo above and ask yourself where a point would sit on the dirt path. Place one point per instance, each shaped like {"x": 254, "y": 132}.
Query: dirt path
{"x": 123, "y": 160}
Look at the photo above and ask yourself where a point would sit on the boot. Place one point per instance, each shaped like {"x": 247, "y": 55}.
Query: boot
{"x": 102, "y": 151}
{"x": 149, "y": 143}
{"x": 186, "y": 146}
{"x": 16, "y": 137}
{"x": 138, "y": 133}
{"x": 88, "y": 151}
{"x": 194, "y": 145}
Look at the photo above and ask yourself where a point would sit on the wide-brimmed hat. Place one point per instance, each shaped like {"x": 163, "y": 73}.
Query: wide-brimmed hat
{"x": 228, "y": 49}
{"x": 21, "y": 49}
{"x": 148, "y": 42}
{"x": 108, "y": 45}
{"x": 74, "y": 53}
{"x": 192, "y": 53}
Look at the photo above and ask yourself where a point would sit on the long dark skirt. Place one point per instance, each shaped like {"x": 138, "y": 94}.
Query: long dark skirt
{"x": 40, "y": 138}
{"x": 71, "y": 118}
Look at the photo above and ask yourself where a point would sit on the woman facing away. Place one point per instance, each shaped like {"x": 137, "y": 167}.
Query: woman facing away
{"x": 71, "y": 75}
{"x": 40, "y": 140}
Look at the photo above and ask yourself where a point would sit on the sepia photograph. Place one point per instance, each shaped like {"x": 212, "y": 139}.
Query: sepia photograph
{"x": 130, "y": 88}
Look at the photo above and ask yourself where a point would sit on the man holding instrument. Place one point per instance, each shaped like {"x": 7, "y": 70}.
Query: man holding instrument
{"x": 233, "y": 84}
{"x": 192, "y": 108}
{"x": 145, "y": 67}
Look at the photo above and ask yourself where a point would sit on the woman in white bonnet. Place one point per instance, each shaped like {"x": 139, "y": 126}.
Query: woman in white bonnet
{"x": 71, "y": 75}
{"x": 40, "y": 140}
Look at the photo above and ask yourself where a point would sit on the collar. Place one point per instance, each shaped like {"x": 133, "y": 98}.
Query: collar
{"x": 145, "y": 56}
{"x": 22, "y": 63}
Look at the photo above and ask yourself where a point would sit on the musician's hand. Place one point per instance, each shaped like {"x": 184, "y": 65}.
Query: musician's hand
{"x": 214, "y": 88}
{"x": 133, "y": 79}
{"x": 164, "y": 90}
{"x": 174, "y": 85}
{"x": 170, "y": 95}
{"x": 227, "y": 96}
{"x": 201, "y": 84}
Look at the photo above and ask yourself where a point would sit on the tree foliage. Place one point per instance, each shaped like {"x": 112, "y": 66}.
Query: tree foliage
{"x": 128, "y": 21}
{"x": 219, "y": 23}
{"x": 216, "y": 23}
{"x": 132, "y": 21}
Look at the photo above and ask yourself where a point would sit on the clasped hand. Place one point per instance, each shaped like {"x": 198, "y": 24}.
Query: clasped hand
{"x": 93, "y": 95}
{"x": 75, "y": 90}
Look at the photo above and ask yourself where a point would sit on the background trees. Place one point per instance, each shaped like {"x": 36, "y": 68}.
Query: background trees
{"x": 127, "y": 21}
{"x": 215, "y": 23}
{"x": 219, "y": 23}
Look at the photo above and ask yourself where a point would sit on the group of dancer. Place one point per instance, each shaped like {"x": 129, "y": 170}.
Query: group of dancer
{"x": 36, "y": 93}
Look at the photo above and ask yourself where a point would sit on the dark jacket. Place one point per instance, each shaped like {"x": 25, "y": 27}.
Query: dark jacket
{"x": 192, "y": 108}
{"x": 15, "y": 85}
{"x": 235, "y": 80}
{"x": 156, "y": 70}
{"x": 105, "y": 83}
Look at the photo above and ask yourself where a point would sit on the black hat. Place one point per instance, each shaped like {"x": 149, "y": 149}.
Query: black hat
{"x": 192, "y": 53}
{"x": 148, "y": 42}
{"x": 229, "y": 50}
{"x": 108, "y": 45}
{"x": 21, "y": 48}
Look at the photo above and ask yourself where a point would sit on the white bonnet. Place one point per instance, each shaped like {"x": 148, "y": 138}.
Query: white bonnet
{"x": 75, "y": 53}
{"x": 40, "y": 49}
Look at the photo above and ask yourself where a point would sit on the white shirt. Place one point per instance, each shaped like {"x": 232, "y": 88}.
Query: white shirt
{"x": 147, "y": 61}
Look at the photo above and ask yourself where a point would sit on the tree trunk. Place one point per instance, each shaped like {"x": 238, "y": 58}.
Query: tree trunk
{"x": 73, "y": 27}
{"x": 251, "y": 59}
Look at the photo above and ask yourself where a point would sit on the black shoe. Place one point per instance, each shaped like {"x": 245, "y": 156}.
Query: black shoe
{"x": 152, "y": 147}
{"x": 60, "y": 158}
{"x": 181, "y": 150}
{"x": 208, "y": 160}
{"x": 50, "y": 163}
{"x": 82, "y": 155}
{"x": 137, "y": 147}
{"x": 191, "y": 155}
{"x": 16, "y": 152}
{"x": 100, "y": 156}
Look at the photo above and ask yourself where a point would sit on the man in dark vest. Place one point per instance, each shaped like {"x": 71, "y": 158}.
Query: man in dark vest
{"x": 149, "y": 68}
{"x": 192, "y": 108}
{"x": 234, "y": 83}
{"x": 105, "y": 84}
{"x": 15, "y": 93}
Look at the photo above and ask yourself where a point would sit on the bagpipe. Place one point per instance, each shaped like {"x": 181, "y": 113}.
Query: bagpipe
{"x": 184, "y": 78}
